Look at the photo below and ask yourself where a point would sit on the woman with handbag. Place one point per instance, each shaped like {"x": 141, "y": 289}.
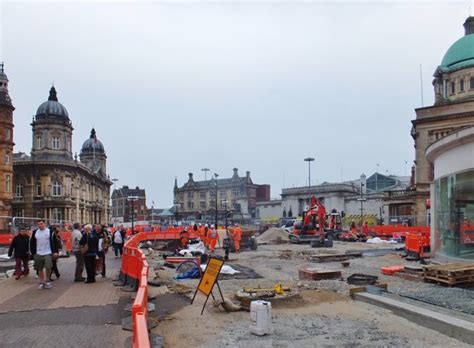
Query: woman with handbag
{"x": 89, "y": 247}
{"x": 58, "y": 246}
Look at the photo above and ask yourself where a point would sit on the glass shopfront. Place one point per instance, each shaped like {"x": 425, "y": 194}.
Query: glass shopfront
{"x": 454, "y": 223}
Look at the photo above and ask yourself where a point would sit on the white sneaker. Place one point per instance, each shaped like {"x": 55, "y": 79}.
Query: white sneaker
{"x": 41, "y": 286}
{"x": 48, "y": 286}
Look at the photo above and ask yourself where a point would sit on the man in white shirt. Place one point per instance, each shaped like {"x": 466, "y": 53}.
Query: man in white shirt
{"x": 76, "y": 249}
{"x": 42, "y": 248}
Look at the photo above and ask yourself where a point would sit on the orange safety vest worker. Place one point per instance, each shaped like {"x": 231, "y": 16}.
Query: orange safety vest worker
{"x": 184, "y": 239}
{"x": 212, "y": 236}
{"x": 202, "y": 234}
{"x": 237, "y": 236}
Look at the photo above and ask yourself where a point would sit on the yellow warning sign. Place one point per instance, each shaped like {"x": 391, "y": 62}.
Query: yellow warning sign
{"x": 209, "y": 278}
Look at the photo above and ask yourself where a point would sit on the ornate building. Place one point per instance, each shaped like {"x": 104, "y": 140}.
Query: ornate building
{"x": 238, "y": 196}
{"x": 452, "y": 111}
{"x": 53, "y": 185}
{"x": 6, "y": 147}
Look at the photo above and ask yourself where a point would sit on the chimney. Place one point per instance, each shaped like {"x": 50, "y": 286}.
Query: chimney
{"x": 190, "y": 177}
{"x": 469, "y": 25}
{"x": 247, "y": 174}
{"x": 236, "y": 173}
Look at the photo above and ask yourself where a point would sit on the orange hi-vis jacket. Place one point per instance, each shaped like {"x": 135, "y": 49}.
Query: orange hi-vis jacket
{"x": 237, "y": 233}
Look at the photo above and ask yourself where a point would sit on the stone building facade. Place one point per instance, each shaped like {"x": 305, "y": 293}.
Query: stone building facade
{"x": 453, "y": 110}
{"x": 52, "y": 184}
{"x": 6, "y": 148}
{"x": 237, "y": 196}
{"x": 127, "y": 201}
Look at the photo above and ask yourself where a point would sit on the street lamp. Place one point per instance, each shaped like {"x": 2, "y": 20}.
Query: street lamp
{"x": 133, "y": 199}
{"x": 225, "y": 212}
{"x": 114, "y": 180}
{"x": 362, "y": 199}
{"x": 309, "y": 160}
{"x": 205, "y": 170}
{"x": 215, "y": 182}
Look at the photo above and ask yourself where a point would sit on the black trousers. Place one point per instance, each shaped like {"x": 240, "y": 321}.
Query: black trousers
{"x": 89, "y": 262}
{"x": 101, "y": 255}
{"x": 55, "y": 269}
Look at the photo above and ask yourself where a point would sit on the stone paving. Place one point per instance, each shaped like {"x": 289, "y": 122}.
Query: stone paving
{"x": 68, "y": 315}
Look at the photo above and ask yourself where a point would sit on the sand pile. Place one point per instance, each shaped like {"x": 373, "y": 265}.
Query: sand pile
{"x": 273, "y": 235}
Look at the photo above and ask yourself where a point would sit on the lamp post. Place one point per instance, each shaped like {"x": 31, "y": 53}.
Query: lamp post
{"x": 215, "y": 183}
{"x": 309, "y": 160}
{"x": 225, "y": 212}
{"x": 205, "y": 170}
{"x": 133, "y": 199}
{"x": 114, "y": 180}
{"x": 362, "y": 199}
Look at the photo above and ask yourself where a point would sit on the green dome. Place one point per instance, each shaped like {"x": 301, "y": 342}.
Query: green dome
{"x": 460, "y": 54}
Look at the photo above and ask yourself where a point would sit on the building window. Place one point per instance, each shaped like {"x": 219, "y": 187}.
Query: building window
{"x": 202, "y": 195}
{"x": 38, "y": 142}
{"x": 222, "y": 194}
{"x": 38, "y": 188}
{"x": 190, "y": 205}
{"x": 19, "y": 190}
{"x": 7, "y": 157}
{"x": 57, "y": 214}
{"x": 471, "y": 83}
{"x": 461, "y": 85}
{"x": 235, "y": 192}
{"x": 190, "y": 195}
{"x": 56, "y": 143}
{"x": 202, "y": 205}
{"x": 8, "y": 183}
{"x": 8, "y": 134}
{"x": 453, "y": 88}
{"x": 56, "y": 189}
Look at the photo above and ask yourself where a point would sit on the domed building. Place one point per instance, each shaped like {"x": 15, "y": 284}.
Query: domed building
{"x": 444, "y": 143}
{"x": 53, "y": 184}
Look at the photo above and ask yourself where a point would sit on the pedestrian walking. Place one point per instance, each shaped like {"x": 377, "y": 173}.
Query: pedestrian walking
{"x": 104, "y": 243}
{"x": 55, "y": 257}
{"x": 43, "y": 246}
{"x": 213, "y": 236}
{"x": 89, "y": 248}
{"x": 76, "y": 249}
{"x": 20, "y": 249}
{"x": 118, "y": 239}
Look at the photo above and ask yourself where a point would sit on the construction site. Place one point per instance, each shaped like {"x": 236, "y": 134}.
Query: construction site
{"x": 321, "y": 287}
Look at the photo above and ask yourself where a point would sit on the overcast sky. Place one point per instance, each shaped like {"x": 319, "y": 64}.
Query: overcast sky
{"x": 175, "y": 87}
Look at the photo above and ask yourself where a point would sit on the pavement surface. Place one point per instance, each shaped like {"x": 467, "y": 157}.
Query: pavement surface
{"x": 68, "y": 315}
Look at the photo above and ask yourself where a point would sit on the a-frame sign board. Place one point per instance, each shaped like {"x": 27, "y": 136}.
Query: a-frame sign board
{"x": 209, "y": 279}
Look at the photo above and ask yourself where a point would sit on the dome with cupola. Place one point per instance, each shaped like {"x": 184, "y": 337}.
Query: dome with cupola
{"x": 52, "y": 108}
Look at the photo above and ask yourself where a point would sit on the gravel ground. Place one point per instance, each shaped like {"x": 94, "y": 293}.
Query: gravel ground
{"x": 324, "y": 316}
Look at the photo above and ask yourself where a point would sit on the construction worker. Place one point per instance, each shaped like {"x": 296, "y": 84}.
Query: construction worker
{"x": 206, "y": 235}
{"x": 212, "y": 237}
{"x": 353, "y": 229}
{"x": 237, "y": 236}
{"x": 365, "y": 229}
{"x": 184, "y": 236}
{"x": 202, "y": 233}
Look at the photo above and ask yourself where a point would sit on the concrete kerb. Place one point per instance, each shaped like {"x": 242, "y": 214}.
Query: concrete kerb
{"x": 457, "y": 328}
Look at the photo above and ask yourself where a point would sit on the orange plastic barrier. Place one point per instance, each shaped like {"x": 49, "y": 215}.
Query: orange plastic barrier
{"x": 387, "y": 231}
{"x": 392, "y": 270}
{"x": 134, "y": 277}
{"x": 6, "y": 238}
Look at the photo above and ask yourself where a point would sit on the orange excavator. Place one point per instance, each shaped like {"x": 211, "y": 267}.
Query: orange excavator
{"x": 312, "y": 227}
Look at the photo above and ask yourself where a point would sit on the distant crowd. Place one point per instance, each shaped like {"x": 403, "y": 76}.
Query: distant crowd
{"x": 90, "y": 244}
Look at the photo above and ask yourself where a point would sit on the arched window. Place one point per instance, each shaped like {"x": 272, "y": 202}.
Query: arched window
{"x": 461, "y": 85}
{"x": 57, "y": 214}
{"x": 56, "y": 189}
{"x": 19, "y": 190}
{"x": 38, "y": 188}
{"x": 8, "y": 183}
{"x": 7, "y": 157}
{"x": 38, "y": 142}
{"x": 55, "y": 143}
